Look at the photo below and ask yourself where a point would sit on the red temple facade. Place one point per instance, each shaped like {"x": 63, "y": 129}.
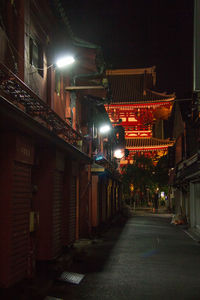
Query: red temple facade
{"x": 140, "y": 110}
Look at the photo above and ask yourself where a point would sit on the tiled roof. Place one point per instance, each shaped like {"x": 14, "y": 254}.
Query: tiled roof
{"x": 131, "y": 86}
{"x": 147, "y": 143}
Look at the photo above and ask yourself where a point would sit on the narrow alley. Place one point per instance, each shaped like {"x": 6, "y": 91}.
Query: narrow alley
{"x": 145, "y": 258}
{"x": 100, "y": 145}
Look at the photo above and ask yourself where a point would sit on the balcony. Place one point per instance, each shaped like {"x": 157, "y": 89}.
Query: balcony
{"x": 22, "y": 97}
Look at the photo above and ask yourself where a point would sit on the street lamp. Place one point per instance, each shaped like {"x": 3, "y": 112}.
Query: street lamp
{"x": 104, "y": 129}
{"x": 119, "y": 153}
{"x": 65, "y": 61}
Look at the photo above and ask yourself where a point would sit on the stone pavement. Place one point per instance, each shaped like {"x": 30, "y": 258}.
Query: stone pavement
{"x": 142, "y": 257}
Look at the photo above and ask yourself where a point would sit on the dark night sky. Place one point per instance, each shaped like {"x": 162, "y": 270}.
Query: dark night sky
{"x": 140, "y": 33}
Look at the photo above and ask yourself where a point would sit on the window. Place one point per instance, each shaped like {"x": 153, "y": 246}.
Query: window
{"x": 36, "y": 56}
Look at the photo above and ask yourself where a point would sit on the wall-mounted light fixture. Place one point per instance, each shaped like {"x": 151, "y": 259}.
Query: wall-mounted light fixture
{"x": 119, "y": 153}
{"x": 104, "y": 129}
{"x": 65, "y": 61}
{"x": 59, "y": 63}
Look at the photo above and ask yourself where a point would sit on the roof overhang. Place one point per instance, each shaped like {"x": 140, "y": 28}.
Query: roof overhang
{"x": 149, "y": 70}
{"x": 95, "y": 168}
{"x": 141, "y": 104}
{"x": 150, "y": 148}
{"x": 91, "y": 87}
{"x": 12, "y": 118}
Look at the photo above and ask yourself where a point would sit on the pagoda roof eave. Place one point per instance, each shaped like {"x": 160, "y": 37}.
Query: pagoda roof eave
{"x": 131, "y": 71}
{"x": 147, "y": 103}
{"x": 162, "y": 94}
{"x": 149, "y": 148}
{"x": 147, "y": 143}
{"x": 135, "y": 85}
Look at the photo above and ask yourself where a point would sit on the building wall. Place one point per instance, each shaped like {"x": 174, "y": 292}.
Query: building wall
{"x": 4, "y": 45}
{"x": 84, "y": 203}
{"x": 35, "y": 32}
{"x": 95, "y": 202}
{"x": 195, "y": 205}
{"x": 56, "y": 205}
{"x": 178, "y": 153}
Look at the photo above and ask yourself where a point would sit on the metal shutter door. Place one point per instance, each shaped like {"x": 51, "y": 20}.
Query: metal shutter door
{"x": 20, "y": 210}
{"x": 57, "y": 212}
{"x": 104, "y": 201}
{"x": 100, "y": 192}
{"x": 197, "y": 204}
{"x": 72, "y": 211}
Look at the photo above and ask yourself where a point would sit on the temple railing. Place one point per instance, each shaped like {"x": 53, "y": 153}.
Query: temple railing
{"x": 19, "y": 94}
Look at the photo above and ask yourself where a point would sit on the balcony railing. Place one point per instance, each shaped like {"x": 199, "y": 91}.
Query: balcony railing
{"x": 19, "y": 94}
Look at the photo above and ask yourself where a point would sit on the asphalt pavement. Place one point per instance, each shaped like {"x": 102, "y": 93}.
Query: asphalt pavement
{"x": 140, "y": 257}
{"x": 144, "y": 257}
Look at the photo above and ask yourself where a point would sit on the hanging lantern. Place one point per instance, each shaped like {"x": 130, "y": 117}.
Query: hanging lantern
{"x": 131, "y": 187}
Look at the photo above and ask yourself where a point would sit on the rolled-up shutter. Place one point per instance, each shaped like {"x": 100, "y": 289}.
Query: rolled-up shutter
{"x": 100, "y": 192}
{"x": 104, "y": 200}
{"x": 20, "y": 209}
{"x": 57, "y": 213}
{"x": 72, "y": 211}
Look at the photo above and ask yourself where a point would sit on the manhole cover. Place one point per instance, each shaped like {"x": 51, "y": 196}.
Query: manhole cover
{"x": 71, "y": 277}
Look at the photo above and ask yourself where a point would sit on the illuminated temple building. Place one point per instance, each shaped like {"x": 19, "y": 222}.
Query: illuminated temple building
{"x": 142, "y": 111}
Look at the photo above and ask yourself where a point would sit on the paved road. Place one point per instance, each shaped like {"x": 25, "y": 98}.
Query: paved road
{"x": 145, "y": 258}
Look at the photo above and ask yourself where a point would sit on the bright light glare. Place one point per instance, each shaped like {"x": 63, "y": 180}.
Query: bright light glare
{"x": 118, "y": 153}
{"x": 64, "y": 61}
{"x": 104, "y": 129}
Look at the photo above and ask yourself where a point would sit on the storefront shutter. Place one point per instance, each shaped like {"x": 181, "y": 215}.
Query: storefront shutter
{"x": 57, "y": 212}
{"x": 20, "y": 210}
{"x": 72, "y": 211}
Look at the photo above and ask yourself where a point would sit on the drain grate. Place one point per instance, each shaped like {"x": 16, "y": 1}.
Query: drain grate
{"x": 71, "y": 277}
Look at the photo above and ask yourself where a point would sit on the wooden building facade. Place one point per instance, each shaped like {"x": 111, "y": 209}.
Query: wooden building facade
{"x": 46, "y": 139}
